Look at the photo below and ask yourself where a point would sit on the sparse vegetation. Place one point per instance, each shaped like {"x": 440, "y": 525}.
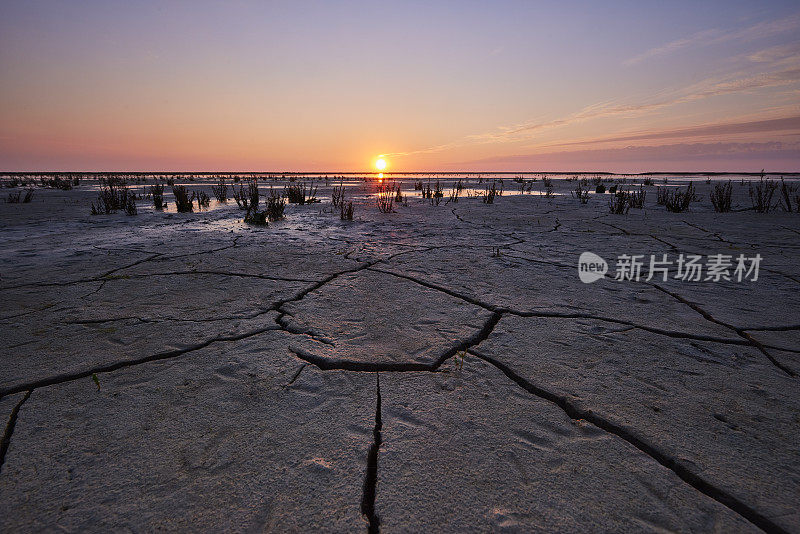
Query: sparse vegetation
{"x": 761, "y": 194}
{"x": 581, "y": 193}
{"x": 301, "y": 193}
{"x": 661, "y": 195}
{"x": 789, "y": 192}
{"x": 114, "y": 196}
{"x": 385, "y": 198}
{"x": 337, "y": 195}
{"x": 183, "y": 202}
{"x": 489, "y": 194}
{"x": 203, "y": 200}
{"x": 346, "y": 210}
{"x": 276, "y": 205}
{"x": 721, "y": 197}
{"x": 157, "y": 192}
{"x": 220, "y": 191}
{"x": 600, "y": 188}
{"x": 636, "y": 197}
{"x": 618, "y": 203}
{"x": 678, "y": 200}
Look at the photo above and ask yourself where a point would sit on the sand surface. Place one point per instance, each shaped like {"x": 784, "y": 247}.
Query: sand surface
{"x": 435, "y": 369}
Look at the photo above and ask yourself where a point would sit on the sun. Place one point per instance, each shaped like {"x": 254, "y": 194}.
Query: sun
{"x": 380, "y": 164}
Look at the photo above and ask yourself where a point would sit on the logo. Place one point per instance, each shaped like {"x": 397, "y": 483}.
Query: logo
{"x": 591, "y": 267}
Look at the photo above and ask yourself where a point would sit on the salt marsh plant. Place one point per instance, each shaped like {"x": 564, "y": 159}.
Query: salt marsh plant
{"x": 636, "y": 198}
{"x": 581, "y": 193}
{"x": 547, "y": 181}
{"x": 346, "y": 210}
{"x": 220, "y": 191}
{"x": 385, "y": 198}
{"x": 301, "y": 193}
{"x": 678, "y": 200}
{"x": 761, "y": 194}
{"x": 203, "y": 200}
{"x": 600, "y": 188}
{"x": 453, "y": 197}
{"x": 489, "y": 194}
{"x": 114, "y": 195}
{"x": 183, "y": 202}
{"x": 337, "y": 195}
{"x": 789, "y": 192}
{"x": 661, "y": 195}
{"x": 618, "y": 203}
{"x": 157, "y": 192}
{"x": 276, "y": 205}
{"x": 721, "y": 197}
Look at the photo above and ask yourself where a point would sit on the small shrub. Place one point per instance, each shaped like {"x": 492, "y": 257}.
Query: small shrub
{"x": 301, "y": 194}
{"x": 114, "y": 195}
{"x": 183, "y": 202}
{"x": 28, "y": 195}
{"x": 678, "y": 201}
{"x": 600, "y": 188}
{"x": 346, "y": 211}
{"x": 241, "y": 198}
{"x": 337, "y": 195}
{"x": 547, "y": 181}
{"x": 276, "y": 205}
{"x": 648, "y": 181}
{"x": 721, "y": 197}
{"x": 618, "y": 203}
{"x": 418, "y": 185}
{"x": 453, "y": 197}
{"x": 489, "y": 194}
{"x": 203, "y": 200}
{"x": 636, "y": 198}
{"x": 661, "y": 195}
{"x": 220, "y": 191}
{"x": 761, "y": 194}
{"x": 157, "y": 191}
{"x": 787, "y": 193}
{"x": 581, "y": 193}
{"x": 13, "y": 197}
{"x": 385, "y": 198}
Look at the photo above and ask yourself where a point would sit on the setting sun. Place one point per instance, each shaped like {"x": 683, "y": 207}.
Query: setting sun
{"x": 380, "y": 164}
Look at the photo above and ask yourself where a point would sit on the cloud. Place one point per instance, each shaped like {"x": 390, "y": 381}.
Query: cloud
{"x": 757, "y": 126}
{"x": 716, "y": 36}
{"x": 678, "y": 157}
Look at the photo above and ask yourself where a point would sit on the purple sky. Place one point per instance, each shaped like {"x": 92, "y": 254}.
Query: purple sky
{"x": 622, "y": 86}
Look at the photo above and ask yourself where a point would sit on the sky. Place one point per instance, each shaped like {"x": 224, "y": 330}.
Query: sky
{"x": 431, "y": 86}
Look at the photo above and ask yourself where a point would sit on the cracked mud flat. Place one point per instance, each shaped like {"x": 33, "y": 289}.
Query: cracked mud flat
{"x": 394, "y": 373}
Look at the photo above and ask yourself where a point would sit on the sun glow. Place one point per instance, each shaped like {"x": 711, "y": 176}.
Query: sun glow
{"x": 380, "y": 164}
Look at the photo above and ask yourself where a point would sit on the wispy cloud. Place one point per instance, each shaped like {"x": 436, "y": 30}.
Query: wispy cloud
{"x": 716, "y": 36}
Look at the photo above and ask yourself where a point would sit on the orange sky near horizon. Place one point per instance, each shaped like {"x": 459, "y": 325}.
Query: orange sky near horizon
{"x": 284, "y": 87}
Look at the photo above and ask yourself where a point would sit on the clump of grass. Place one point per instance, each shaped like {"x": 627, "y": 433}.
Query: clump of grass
{"x": 385, "y": 198}
{"x": 337, "y": 195}
{"x": 418, "y": 185}
{"x": 203, "y": 200}
{"x": 547, "y": 182}
{"x": 276, "y": 205}
{"x": 220, "y": 191}
{"x": 787, "y": 193}
{"x": 489, "y": 194}
{"x": 241, "y": 197}
{"x": 114, "y": 195}
{"x": 761, "y": 194}
{"x": 600, "y": 188}
{"x": 346, "y": 210}
{"x": 399, "y": 197}
{"x": 647, "y": 181}
{"x": 618, "y": 203}
{"x": 28, "y": 195}
{"x": 157, "y": 192}
{"x": 636, "y": 198}
{"x": 678, "y": 201}
{"x": 183, "y": 202}
{"x": 721, "y": 197}
{"x": 453, "y": 197}
{"x": 13, "y": 197}
{"x": 301, "y": 194}
{"x": 661, "y": 195}
{"x": 438, "y": 194}
{"x": 581, "y": 193}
